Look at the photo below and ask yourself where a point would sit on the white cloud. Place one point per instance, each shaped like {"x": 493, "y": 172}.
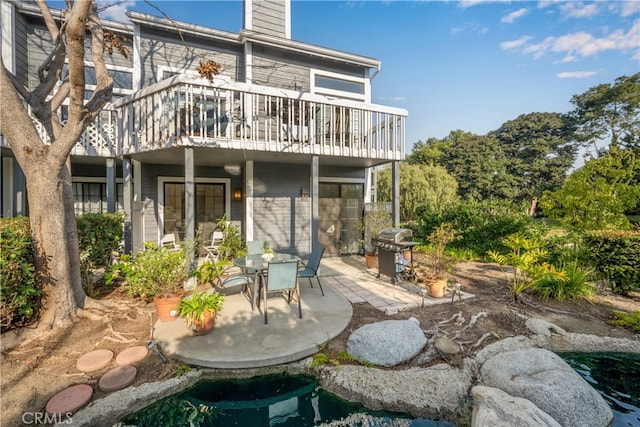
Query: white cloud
{"x": 576, "y": 74}
{"x": 511, "y": 17}
{"x": 115, "y": 10}
{"x": 514, "y": 44}
{"x": 579, "y": 9}
{"x": 628, "y": 8}
{"x": 470, "y": 3}
{"x": 580, "y": 44}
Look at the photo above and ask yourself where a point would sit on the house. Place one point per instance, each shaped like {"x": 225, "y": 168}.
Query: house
{"x": 284, "y": 141}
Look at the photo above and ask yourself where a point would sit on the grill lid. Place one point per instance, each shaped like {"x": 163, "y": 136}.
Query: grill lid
{"x": 395, "y": 235}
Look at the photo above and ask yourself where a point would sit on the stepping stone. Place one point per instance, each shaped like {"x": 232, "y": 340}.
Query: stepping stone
{"x": 118, "y": 378}
{"x": 132, "y": 355}
{"x": 94, "y": 360}
{"x": 70, "y": 399}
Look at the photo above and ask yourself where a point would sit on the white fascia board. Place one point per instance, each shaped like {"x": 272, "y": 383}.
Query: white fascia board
{"x": 296, "y": 46}
{"x": 33, "y": 10}
{"x": 167, "y": 25}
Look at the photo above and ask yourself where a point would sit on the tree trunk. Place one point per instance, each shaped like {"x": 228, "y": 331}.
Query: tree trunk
{"x": 55, "y": 237}
{"x": 533, "y": 206}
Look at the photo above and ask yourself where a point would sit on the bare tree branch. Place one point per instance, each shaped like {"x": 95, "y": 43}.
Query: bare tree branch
{"x": 48, "y": 19}
{"x": 104, "y": 82}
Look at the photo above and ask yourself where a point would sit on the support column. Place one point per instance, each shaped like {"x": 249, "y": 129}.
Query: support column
{"x": 315, "y": 200}
{"x": 19, "y": 190}
{"x": 248, "y": 206}
{"x": 189, "y": 195}
{"x": 111, "y": 185}
{"x": 127, "y": 199}
{"x": 7, "y": 187}
{"x": 395, "y": 192}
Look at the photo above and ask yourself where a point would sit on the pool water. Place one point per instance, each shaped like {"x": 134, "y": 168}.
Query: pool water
{"x": 616, "y": 376}
{"x": 276, "y": 400}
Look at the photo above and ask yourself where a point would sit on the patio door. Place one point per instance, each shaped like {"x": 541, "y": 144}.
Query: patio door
{"x": 340, "y": 212}
{"x": 210, "y": 206}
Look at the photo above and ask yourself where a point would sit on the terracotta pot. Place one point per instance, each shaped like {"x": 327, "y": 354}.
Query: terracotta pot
{"x": 205, "y": 326}
{"x": 168, "y": 308}
{"x": 371, "y": 260}
{"x": 438, "y": 288}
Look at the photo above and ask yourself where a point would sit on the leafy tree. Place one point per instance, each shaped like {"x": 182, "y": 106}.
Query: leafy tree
{"x": 597, "y": 195}
{"x": 538, "y": 153}
{"x": 609, "y": 112}
{"x": 419, "y": 184}
{"x": 428, "y": 153}
{"x": 478, "y": 164}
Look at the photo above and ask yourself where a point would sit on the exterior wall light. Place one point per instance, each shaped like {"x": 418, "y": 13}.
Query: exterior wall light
{"x": 237, "y": 194}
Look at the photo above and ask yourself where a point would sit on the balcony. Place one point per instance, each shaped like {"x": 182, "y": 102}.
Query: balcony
{"x": 188, "y": 111}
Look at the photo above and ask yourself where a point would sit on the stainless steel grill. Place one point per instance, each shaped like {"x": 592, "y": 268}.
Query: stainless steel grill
{"x": 391, "y": 243}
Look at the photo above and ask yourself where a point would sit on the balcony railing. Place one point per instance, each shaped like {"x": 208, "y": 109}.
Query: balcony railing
{"x": 188, "y": 111}
{"x": 191, "y": 111}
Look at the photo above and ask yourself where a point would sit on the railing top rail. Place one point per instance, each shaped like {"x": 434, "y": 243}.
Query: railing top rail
{"x": 219, "y": 84}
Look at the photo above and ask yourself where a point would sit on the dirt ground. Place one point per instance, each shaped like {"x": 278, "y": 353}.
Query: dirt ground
{"x": 31, "y": 374}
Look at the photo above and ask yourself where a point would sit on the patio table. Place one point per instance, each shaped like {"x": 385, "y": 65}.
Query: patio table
{"x": 257, "y": 264}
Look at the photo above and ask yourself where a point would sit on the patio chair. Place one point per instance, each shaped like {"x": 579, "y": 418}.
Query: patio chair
{"x": 231, "y": 280}
{"x": 169, "y": 241}
{"x": 213, "y": 248}
{"x": 310, "y": 270}
{"x": 281, "y": 276}
{"x": 254, "y": 247}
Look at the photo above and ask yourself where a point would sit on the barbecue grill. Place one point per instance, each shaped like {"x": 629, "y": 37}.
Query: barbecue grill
{"x": 391, "y": 243}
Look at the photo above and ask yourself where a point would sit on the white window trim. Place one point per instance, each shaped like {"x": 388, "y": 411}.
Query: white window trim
{"x": 366, "y": 96}
{"x": 163, "y": 179}
{"x": 187, "y": 71}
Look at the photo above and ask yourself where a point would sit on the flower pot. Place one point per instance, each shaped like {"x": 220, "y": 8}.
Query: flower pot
{"x": 205, "y": 326}
{"x": 167, "y": 308}
{"x": 438, "y": 288}
{"x": 371, "y": 260}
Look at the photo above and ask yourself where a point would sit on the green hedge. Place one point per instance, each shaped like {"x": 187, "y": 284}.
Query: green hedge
{"x": 480, "y": 225}
{"x": 99, "y": 235}
{"x": 616, "y": 257}
{"x": 20, "y": 293}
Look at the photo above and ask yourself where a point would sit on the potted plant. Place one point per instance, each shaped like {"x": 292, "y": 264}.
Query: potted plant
{"x": 156, "y": 274}
{"x": 440, "y": 263}
{"x": 267, "y": 252}
{"x": 199, "y": 311}
{"x": 375, "y": 220}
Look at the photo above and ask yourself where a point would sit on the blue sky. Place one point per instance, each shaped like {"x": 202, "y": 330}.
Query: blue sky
{"x": 469, "y": 65}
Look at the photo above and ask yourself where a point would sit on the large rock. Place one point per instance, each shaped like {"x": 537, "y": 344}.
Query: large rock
{"x": 387, "y": 343}
{"x": 548, "y": 382}
{"x": 494, "y": 407}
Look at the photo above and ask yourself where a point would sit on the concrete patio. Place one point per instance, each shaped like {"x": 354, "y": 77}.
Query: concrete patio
{"x": 242, "y": 340}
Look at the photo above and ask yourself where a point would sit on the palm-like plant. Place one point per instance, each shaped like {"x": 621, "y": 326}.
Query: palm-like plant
{"x": 524, "y": 258}
{"x": 195, "y": 308}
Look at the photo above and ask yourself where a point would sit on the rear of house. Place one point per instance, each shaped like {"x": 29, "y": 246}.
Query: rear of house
{"x": 283, "y": 141}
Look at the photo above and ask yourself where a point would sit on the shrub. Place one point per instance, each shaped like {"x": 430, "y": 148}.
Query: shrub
{"x": 481, "y": 225}
{"x": 629, "y": 321}
{"x": 20, "y": 290}
{"x": 616, "y": 256}
{"x": 99, "y": 236}
{"x": 573, "y": 284}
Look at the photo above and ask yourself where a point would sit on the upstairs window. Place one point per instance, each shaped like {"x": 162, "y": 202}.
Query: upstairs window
{"x": 340, "y": 85}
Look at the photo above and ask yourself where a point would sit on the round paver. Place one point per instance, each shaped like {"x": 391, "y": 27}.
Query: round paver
{"x": 70, "y": 399}
{"x": 132, "y": 355}
{"x": 94, "y": 360}
{"x": 117, "y": 378}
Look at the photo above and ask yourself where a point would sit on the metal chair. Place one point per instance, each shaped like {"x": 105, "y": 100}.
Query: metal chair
{"x": 254, "y": 247}
{"x": 310, "y": 270}
{"x": 281, "y": 276}
{"x": 169, "y": 241}
{"x": 232, "y": 280}
{"x": 213, "y": 249}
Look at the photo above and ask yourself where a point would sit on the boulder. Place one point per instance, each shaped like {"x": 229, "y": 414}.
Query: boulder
{"x": 494, "y": 407}
{"x": 387, "y": 343}
{"x": 542, "y": 327}
{"x": 549, "y": 383}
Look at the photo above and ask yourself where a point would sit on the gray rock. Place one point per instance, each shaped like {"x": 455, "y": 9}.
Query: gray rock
{"x": 550, "y": 383}
{"x": 542, "y": 327}
{"x": 387, "y": 343}
{"x": 494, "y": 407}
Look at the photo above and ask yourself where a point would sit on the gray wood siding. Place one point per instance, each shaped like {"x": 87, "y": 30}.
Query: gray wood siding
{"x": 268, "y": 17}
{"x": 284, "y": 69}
{"x": 21, "y": 50}
{"x": 280, "y": 215}
{"x": 161, "y": 49}
{"x": 39, "y": 44}
{"x": 342, "y": 172}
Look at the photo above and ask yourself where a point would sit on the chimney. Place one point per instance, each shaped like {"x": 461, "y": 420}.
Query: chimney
{"x": 272, "y": 17}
